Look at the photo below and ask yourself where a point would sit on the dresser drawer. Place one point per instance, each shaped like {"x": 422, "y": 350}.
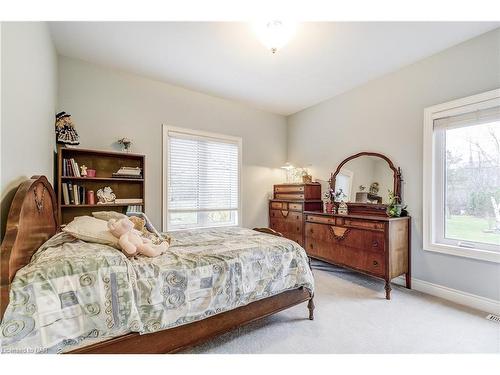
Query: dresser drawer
{"x": 286, "y": 215}
{"x": 289, "y": 226}
{"x": 333, "y": 252}
{"x": 363, "y": 224}
{"x": 320, "y": 219}
{"x": 279, "y": 205}
{"x": 289, "y": 188}
{"x": 295, "y": 207}
{"x": 371, "y": 263}
{"x": 353, "y": 239}
{"x": 291, "y": 196}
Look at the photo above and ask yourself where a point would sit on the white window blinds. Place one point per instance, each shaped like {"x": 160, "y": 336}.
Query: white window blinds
{"x": 202, "y": 181}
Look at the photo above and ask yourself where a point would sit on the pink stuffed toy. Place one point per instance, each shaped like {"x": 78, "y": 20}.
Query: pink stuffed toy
{"x": 131, "y": 241}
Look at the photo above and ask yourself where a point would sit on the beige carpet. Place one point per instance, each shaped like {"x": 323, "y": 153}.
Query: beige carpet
{"x": 352, "y": 316}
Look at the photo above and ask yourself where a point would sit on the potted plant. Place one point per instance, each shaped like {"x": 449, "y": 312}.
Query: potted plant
{"x": 395, "y": 208}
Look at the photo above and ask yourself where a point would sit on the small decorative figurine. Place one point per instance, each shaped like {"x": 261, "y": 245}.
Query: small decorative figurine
{"x": 65, "y": 130}
{"x": 105, "y": 195}
{"x": 374, "y": 188}
{"x": 126, "y": 143}
{"x": 342, "y": 210}
{"x": 83, "y": 172}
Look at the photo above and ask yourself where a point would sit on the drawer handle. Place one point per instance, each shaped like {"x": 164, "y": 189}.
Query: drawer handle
{"x": 298, "y": 229}
{"x": 375, "y": 243}
{"x": 285, "y": 213}
{"x": 375, "y": 263}
{"x": 339, "y": 233}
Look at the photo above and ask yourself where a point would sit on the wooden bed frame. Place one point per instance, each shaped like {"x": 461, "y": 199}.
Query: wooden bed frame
{"x": 33, "y": 219}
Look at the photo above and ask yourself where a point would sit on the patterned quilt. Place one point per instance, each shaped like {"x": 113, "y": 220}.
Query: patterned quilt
{"x": 75, "y": 293}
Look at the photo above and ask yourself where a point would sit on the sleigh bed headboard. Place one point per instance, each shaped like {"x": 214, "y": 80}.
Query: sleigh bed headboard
{"x": 32, "y": 220}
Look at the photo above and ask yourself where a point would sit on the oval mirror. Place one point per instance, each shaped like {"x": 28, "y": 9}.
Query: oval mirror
{"x": 366, "y": 178}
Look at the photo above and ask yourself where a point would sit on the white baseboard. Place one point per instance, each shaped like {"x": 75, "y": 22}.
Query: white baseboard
{"x": 457, "y": 296}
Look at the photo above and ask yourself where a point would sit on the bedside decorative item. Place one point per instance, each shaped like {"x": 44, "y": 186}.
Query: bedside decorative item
{"x": 342, "y": 210}
{"x": 105, "y": 195}
{"x": 374, "y": 188}
{"x": 126, "y": 143}
{"x": 328, "y": 201}
{"x": 83, "y": 172}
{"x": 306, "y": 178}
{"x": 90, "y": 197}
{"x": 395, "y": 208}
{"x": 65, "y": 130}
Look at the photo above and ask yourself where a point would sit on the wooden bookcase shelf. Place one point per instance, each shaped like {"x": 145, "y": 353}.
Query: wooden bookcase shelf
{"x": 105, "y": 163}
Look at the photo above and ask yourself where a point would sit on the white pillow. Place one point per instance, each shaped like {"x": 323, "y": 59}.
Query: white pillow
{"x": 107, "y": 215}
{"x": 90, "y": 229}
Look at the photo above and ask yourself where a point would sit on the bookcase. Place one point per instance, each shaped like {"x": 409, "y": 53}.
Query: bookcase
{"x": 105, "y": 163}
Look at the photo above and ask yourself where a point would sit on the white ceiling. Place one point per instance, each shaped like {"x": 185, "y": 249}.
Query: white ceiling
{"x": 227, "y": 60}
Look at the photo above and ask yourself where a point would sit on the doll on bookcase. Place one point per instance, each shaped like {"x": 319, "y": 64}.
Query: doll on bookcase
{"x": 65, "y": 130}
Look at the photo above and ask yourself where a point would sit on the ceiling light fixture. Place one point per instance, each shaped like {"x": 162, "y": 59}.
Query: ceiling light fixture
{"x": 274, "y": 34}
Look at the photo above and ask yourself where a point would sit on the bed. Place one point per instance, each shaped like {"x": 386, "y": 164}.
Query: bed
{"x": 60, "y": 294}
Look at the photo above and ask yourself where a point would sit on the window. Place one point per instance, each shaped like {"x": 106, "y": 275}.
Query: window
{"x": 201, "y": 179}
{"x": 462, "y": 177}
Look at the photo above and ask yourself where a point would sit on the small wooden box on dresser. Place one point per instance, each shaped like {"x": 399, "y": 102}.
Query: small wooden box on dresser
{"x": 287, "y": 207}
{"x": 375, "y": 245}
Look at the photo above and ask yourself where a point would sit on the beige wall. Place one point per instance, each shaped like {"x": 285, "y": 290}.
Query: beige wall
{"x": 107, "y": 105}
{"x": 386, "y": 115}
{"x": 28, "y": 103}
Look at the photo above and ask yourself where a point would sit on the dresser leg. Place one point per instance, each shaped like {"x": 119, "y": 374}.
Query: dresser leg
{"x": 408, "y": 280}
{"x": 310, "y": 306}
{"x": 388, "y": 289}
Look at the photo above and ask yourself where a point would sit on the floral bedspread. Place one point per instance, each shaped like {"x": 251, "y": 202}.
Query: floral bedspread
{"x": 75, "y": 293}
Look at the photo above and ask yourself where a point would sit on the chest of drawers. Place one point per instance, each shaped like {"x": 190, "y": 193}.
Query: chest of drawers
{"x": 377, "y": 246}
{"x": 287, "y": 207}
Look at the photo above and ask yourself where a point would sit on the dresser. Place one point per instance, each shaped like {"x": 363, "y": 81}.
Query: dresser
{"x": 374, "y": 245}
{"x": 287, "y": 207}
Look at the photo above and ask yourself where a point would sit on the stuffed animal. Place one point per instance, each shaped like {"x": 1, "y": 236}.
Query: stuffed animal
{"x": 141, "y": 225}
{"x": 131, "y": 241}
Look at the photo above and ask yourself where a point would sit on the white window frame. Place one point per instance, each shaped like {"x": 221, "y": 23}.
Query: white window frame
{"x": 430, "y": 195}
{"x": 199, "y": 133}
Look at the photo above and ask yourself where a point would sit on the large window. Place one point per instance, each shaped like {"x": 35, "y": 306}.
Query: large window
{"x": 462, "y": 177}
{"x": 202, "y": 179}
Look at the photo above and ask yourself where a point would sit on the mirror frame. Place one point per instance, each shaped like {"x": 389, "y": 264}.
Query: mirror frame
{"x": 370, "y": 208}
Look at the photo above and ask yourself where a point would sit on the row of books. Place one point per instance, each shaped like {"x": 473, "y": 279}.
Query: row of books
{"x": 74, "y": 194}
{"x": 128, "y": 172}
{"x": 70, "y": 168}
{"x": 128, "y": 201}
{"x": 134, "y": 208}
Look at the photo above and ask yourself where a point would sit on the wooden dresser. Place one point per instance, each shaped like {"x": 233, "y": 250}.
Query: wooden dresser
{"x": 287, "y": 207}
{"x": 375, "y": 245}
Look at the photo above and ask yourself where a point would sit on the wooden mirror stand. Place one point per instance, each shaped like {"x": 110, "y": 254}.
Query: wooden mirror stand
{"x": 370, "y": 208}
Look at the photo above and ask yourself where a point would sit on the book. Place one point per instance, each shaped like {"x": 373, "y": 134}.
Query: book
{"x": 132, "y": 171}
{"x": 65, "y": 193}
{"x": 76, "y": 170}
{"x": 76, "y": 195}
{"x": 128, "y": 201}
{"x": 131, "y": 176}
{"x": 134, "y": 208}
{"x": 70, "y": 193}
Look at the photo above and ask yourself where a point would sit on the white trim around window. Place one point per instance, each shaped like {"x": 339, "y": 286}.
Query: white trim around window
{"x": 169, "y": 131}
{"x": 433, "y": 156}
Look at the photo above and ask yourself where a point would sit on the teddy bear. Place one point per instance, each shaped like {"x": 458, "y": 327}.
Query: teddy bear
{"x": 131, "y": 241}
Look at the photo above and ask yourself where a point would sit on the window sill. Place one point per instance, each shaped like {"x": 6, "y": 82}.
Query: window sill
{"x": 478, "y": 254}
